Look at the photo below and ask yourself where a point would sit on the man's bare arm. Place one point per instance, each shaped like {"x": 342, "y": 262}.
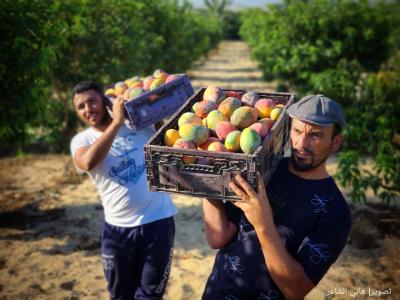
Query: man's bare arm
{"x": 219, "y": 230}
{"x": 287, "y": 273}
{"x": 86, "y": 158}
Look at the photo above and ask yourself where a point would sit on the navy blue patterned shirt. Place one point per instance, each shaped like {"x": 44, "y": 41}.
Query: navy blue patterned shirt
{"x": 312, "y": 218}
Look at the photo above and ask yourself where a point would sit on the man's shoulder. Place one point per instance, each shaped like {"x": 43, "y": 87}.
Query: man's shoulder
{"x": 84, "y": 133}
{"x": 82, "y": 138}
{"x": 337, "y": 208}
{"x": 282, "y": 169}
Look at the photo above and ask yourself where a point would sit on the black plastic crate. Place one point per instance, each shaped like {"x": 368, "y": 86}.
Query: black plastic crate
{"x": 160, "y": 103}
{"x": 166, "y": 171}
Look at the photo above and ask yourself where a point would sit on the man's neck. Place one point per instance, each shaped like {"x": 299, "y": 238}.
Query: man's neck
{"x": 104, "y": 125}
{"x": 319, "y": 172}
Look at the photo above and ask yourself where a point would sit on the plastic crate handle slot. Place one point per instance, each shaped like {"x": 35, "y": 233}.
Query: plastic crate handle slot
{"x": 201, "y": 184}
{"x": 159, "y": 95}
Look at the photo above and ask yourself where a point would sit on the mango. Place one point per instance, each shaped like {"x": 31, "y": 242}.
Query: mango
{"x": 275, "y": 113}
{"x": 196, "y": 134}
{"x": 204, "y": 122}
{"x": 129, "y": 81}
{"x": 214, "y": 117}
{"x": 232, "y": 141}
{"x": 264, "y": 107}
{"x": 222, "y": 129}
{"x": 133, "y": 93}
{"x": 156, "y": 83}
{"x": 249, "y": 140}
{"x": 229, "y": 105}
{"x": 260, "y": 128}
{"x": 217, "y": 147}
{"x": 171, "y": 77}
{"x": 184, "y": 144}
{"x": 158, "y": 73}
{"x": 233, "y": 94}
{"x": 110, "y": 92}
{"x": 135, "y": 78}
{"x": 170, "y": 137}
{"x": 244, "y": 116}
{"x": 147, "y": 82}
{"x": 214, "y": 93}
{"x": 202, "y": 108}
{"x": 250, "y": 98}
{"x": 207, "y": 143}
{"x": 136, "y": 84}
{"x": 268, "y": 122}
{"x": 119, "y": 88}
{"x": 189, "y": 117}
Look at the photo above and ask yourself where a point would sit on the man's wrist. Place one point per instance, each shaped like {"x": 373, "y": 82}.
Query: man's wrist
{"x": 117, "y": 123}
{"x": 267, "y": 229}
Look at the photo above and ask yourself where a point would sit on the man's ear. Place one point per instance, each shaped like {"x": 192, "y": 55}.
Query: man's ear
{"x": 337, "y": 142}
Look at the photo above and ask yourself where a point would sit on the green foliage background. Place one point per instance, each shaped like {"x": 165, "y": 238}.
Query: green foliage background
{"x": 349, "y": 51}
{"x": 48, "y": 46}
{"x": 29, "y": 37}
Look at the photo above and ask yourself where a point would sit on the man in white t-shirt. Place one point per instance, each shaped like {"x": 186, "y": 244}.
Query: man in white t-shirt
{"x": 139, "y": 229}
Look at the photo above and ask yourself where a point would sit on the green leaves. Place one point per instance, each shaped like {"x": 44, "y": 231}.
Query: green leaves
{"x": 29, "y": 34}
{"x": 49, "y": 46}
{"x": 349, "y": 51}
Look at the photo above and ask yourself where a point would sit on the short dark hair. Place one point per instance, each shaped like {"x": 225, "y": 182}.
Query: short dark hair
{"x": 85, "y": 86}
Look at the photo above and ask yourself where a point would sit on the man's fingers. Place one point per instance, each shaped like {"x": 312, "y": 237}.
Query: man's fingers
{"x": 260, "y": 184}
{"x": 239, "y": 204}
{"x": 245, "y": 186}
{"x": 238, "y": 191}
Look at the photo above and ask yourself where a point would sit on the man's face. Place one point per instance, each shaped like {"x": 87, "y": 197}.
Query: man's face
{"x": 311, "y": 144}
{"x": 90, "y": 108}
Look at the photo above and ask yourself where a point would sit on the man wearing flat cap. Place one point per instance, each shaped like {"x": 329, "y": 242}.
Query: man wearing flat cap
{"x": 280, "y": 241}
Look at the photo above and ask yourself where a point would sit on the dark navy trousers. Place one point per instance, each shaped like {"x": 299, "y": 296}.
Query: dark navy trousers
{"x": 137, "y": 260}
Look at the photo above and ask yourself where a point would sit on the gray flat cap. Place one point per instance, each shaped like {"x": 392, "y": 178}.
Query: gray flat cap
{"x": 319, "y": 110}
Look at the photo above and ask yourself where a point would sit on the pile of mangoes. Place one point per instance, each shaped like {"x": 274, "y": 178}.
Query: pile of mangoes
{"x": 224, "y": 121}
{"x": 136, "y": 86}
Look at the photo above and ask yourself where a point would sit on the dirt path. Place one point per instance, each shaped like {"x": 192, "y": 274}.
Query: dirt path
{"x": 230, "y": 67}
{"x": 50, "y": 222}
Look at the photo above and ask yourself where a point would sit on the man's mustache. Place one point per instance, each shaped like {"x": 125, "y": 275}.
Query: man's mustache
{"x": 304, "y": 150}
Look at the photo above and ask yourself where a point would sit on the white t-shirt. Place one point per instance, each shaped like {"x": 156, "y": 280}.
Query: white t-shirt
{"x": 121, "y": 180}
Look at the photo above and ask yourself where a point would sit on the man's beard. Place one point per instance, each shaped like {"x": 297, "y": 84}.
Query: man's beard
{"x": 301, "y": 165}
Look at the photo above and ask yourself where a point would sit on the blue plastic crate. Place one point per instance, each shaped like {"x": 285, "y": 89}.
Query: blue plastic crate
{"x": 155, "y": 105}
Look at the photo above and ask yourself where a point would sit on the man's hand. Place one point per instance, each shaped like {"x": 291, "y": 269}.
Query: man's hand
{"x": 118, "y": 110}
{"x": 287, "y": 273}
{"x": 255, "y": 206}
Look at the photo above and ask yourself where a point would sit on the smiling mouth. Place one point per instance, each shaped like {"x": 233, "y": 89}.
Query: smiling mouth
{"x": 92, "y": 117}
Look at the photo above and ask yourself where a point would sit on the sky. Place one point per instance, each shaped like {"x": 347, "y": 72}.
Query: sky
{"x": 240, "y": 3}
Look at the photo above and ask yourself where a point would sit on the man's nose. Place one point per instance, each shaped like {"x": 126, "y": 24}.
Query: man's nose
{"x": 303, "y": 141}
{"x": 88, "y": 108}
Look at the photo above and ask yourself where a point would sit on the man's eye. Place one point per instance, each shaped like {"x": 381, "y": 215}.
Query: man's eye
{"x": 317, "y": 135}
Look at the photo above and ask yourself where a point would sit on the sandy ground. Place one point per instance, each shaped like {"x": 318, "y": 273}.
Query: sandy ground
{"x": 50, "y": 224}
